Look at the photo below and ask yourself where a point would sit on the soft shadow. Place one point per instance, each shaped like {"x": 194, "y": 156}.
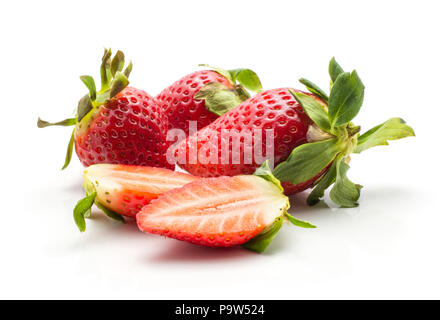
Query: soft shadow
{"x": 101, "y": 228}
{"x": 74, "y": 186}
{"x": 284, "y": 240}
{"x": 189, "y": 253}
{"x": 301, "y": 210}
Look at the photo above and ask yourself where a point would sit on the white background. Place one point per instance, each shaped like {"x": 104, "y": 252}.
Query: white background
{"x": 386, "y": 248}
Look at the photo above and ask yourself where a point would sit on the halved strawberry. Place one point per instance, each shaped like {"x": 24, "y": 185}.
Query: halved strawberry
{"x": 222, "y": 212}
{"x": 124, "y": 189}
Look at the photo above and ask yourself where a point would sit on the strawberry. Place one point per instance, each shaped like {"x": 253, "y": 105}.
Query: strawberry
{"x": 118, "y": 124}
{"x": 124, "y": 189}
{"x": 312, "y": 135}
{"x": 204, "y": 95}
{"x": 273, "y": 109}
{"x": 243, "y": 210}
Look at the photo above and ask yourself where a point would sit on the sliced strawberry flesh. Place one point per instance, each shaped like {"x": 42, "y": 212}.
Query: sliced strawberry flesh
{"x": 126, "y": 189}
{"x": 224, "y": 211}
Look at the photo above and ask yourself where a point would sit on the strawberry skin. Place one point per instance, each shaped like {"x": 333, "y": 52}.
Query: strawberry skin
{"x": 179, "y": 104}
{"x": 117, "y": 124}
{"x": 215, "y": 212}
{"x": 125, "y": 189}
{"x": 273, "y": 109}
{"x": 128, "y": 129}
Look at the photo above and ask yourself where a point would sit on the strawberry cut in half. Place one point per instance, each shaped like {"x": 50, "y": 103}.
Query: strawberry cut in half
{"x": 123, "y": 190}
{"x": 245, "y": 210}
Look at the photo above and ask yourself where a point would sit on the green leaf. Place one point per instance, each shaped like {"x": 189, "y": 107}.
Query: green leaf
{"x": 313, "y": 88}
{"x": 346, "y": 98}
{"x": 117, "y": 63}
{"x": 262, "y": 240}
{"x": 88, "y": 213}
{"x": 209, "y": 89}
{"x": 105, "y": 69}
{"x": 84, "y": 107}
{"x": 247, "y": 78}
{"x": 334, "y": 69}
{"x": 297, "y": 222}
{"x": 219, "y": 99}
{"x": 128, "y": 69}
{"x": 222, "y": 101}
{"x": 242, "y": 94}
{"x": 307, "y": 160}
{"x": 65, "y": 123}
{"x": 110, "y": 213}
{"x": 265, "y": 172}
{"x": 90, "y": 84}
{"x": 69, "y": 150}
{"x": 392, "y": 129}
{"x": 313, "y": 109}
{"x": 344, "y": 193}
{"x": 326, "y": 181}
{"x": 102, "y": 97}
{"x": 119, "y": 83}
{"x": 81, "y": 208}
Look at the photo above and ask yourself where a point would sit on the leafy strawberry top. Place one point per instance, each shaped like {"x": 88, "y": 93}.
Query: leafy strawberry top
{"x": 113, "y": 81}
{"x": 219, "y": 98}
{"x": 342, "y": 138}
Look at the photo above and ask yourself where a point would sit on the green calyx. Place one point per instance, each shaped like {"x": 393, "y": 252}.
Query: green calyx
{"x": 83, "y": 208}
{"x": 113, "y": 80}
{"x": 220, "y": 98}
{"x": 329, "y": 155}
{"x": 265, "y": 237}
{"x": 265, "y": 172}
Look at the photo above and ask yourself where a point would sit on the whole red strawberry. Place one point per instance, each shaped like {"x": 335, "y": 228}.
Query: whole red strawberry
{"x": 310, "y": 136}
{"x": 275, "y": 110}
{"x": 118, "y": 124}
{"x": 204, "y": 95}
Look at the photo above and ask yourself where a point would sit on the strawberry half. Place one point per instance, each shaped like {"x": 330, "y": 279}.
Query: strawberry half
{"x": 124, "y": 189}
{"x": 243, "y": 210}
{"x": 204, "y": 95}
{"x": 313, "y": 137}
{"x": 118, "y": 124}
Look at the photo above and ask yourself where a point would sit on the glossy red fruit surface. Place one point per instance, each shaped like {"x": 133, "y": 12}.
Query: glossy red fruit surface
{"x": 275, "y": 110}
{"x": 128, "y": 129}
{"x": 179, "y": 104}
